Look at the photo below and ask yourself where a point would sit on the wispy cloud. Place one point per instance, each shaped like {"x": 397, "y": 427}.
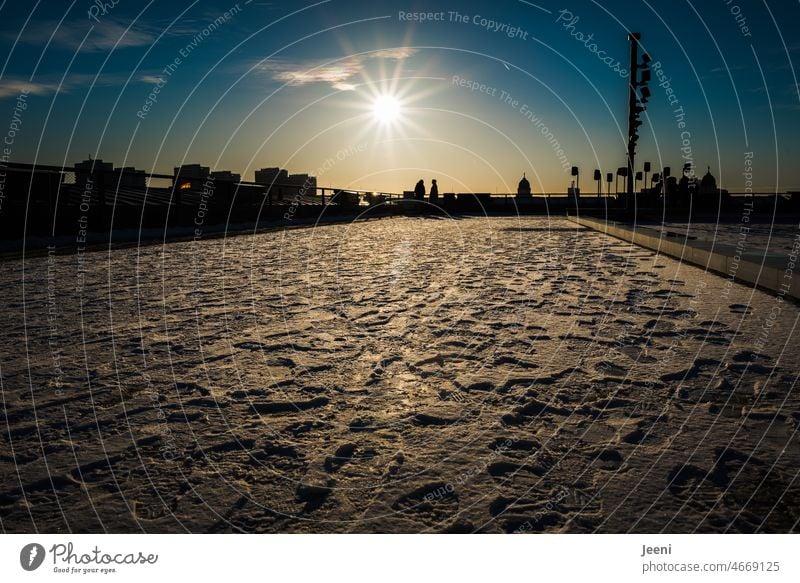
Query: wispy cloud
{"x": 338, "y": 74}
{"x": 70, "y": 35}
{"x": 15, "y": 87}
{"x": 297, "y": 74}
{"x": 151, "y": 79}
{"x": 46, "y": 85}
{"x": 395, "y": 53}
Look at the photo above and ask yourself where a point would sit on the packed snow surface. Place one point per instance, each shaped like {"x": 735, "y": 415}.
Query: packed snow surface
{"x": 396, "y": 375}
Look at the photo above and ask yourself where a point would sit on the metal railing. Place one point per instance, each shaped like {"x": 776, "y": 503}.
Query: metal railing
{"x": 48, "y": 200}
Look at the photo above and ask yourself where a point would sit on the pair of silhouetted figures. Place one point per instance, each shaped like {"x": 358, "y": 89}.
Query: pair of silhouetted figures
{"x": 419, "y": 190}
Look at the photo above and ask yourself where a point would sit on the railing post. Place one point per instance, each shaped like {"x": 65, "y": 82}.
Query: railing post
{"x": 174, "y": 213}
{"x": 100, "y": 181}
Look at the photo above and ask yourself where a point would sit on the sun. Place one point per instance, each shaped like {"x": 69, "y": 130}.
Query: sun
{"x": 386, "y": 109}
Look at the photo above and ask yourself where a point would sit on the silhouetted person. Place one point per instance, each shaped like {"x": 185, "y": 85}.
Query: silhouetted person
{"x": 434, "y": 192}
{"x": 687, "y": 186}
{"x": 419, "y": 190}
{"x": 671, "y": 192}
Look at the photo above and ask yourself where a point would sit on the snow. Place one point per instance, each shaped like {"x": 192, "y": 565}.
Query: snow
{"x": 399, "y": 375}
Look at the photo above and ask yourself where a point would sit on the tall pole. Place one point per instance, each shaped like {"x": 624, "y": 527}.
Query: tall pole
{"x": 632, "y": 103}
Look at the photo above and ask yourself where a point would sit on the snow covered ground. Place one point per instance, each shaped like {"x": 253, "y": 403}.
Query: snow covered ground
{"x": 400, "y": 375}
{"x": 778, "y": 237}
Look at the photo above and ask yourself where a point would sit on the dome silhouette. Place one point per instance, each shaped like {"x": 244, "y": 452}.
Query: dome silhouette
{"x": 524, "y": 188}
{"x": 708, "y": 185}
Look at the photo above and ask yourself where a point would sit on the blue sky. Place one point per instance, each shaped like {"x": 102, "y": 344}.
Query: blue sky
{"x": 293, "y": 84}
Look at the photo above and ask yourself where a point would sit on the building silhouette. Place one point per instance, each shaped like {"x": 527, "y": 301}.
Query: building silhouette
{"x": 92, "y": 170}
{"x": 129, "y": 178}
{"x": 190, "y": 177}
{"x": 272, "y": 176}
{"x": 126, "y": 177}
{"x": 304, "y": 180}
{"x": 285, "y": 184}
{"x": 29, "y": 187}
{"x": 225, "y": 176}
{"x": 708, "y": 184}
{"x": 524, "y": 188}
{"x": 709, "y": 195}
